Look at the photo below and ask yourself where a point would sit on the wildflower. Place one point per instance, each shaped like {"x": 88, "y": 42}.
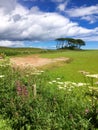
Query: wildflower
{"x": 41, "y": 71}
{"x": 65, "y": 85}
{"x": 74, "y": 84}
{"x": 60, "y": 82}
{"x": 81, "y": 84}
{"x": 58, "y": 78}
{"x": 68, "y": 83}
{"x": 69, "y": 89}
{"x": 24, "y": 91}
{"x": 21, "y": 89}
{"x": 86, "y": 111}
{"x": 50, "y": 82}
{"x": 54, "y": 81}
{"x": 61, "y": 87}
{"x": 1, "y": 76}
{"x": 95, "y": 98}
{"x": 93, "y": 88}
{"x": 92, "y": 76}
{"x": 90, "y": 100}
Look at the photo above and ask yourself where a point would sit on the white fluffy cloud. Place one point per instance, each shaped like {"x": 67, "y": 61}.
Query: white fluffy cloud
{"x": 11, "y": 43}
{"x": 8, "y": 5}
{"x": 83, "y": 11}
{"x": 21, "y": 24}
{"x": 91, "y": 19}
{"x": 86, "y": 13}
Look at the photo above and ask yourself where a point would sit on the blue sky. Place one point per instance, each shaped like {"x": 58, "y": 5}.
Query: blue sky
{"x": 36, "y": 23}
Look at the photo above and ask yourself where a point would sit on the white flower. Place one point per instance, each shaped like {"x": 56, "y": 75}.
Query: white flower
{"x": 54, "y": 81}
{"x": 65, "y": 85}
{"x": 74, "y": 84}
{"x": 1, "y": 76}
{"x": 60, "y": 82}
{"x": 61, "y": 87}
{"x": 41, "y": 71}
{"x": 68, "y": 82}
{"x": 92, "y": 75}
{"x": 50, "y": 82}
{"x": 69, "y": 89}
{"x": 58, "y": 78}
{"x": 93, "y": 88}
{"x": 80, "y": 84}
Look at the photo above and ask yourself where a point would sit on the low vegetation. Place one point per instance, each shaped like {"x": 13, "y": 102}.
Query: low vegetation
{"x": 20, "y": 51}
{"x": 49, "y": 98}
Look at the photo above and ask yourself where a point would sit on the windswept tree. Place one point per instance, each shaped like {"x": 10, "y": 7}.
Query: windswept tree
{"x": 60, "y": 43}
{"x": 69, "y": 43}
{"x": 80, "y": 43}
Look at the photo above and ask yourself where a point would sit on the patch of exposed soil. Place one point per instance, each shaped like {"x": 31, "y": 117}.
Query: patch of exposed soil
{"x": 35, "y": 61}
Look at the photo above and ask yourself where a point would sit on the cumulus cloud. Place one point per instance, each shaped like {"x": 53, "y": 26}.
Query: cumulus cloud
{"x": 32, "y": 24}
{"x": 86, "y": 13}
{"x": 83, "y": 11}
{"x": 6, "y": 43}
{"x": 8, "y": 5}
{"x": 91, "y": 19}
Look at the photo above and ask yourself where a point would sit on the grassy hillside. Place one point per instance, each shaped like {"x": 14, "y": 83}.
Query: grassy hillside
{"x": 79, "y": 60}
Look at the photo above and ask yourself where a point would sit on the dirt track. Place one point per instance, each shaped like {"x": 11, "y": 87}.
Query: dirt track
{"x": 35, "y": 60}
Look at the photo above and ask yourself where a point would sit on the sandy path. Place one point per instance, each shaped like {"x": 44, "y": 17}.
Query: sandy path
{"x": 35, "y": 61}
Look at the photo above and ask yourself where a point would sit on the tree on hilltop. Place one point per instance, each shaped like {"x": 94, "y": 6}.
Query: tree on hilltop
{"x": 80, "y": 43}
{"x": 69, "y": 43}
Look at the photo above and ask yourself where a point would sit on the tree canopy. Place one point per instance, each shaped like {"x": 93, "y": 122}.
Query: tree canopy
{"x": 70, "y": 43}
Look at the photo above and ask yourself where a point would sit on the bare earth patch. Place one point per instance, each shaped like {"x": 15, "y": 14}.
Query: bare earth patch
{"x": 35, "y": 61}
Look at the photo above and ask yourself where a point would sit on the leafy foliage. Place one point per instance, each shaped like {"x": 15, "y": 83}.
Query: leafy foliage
{"x": 69, "y": 43}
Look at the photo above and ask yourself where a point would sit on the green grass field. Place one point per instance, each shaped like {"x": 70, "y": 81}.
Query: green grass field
{"x": 58, "y": 104}
{"x": 79, "y": 60}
